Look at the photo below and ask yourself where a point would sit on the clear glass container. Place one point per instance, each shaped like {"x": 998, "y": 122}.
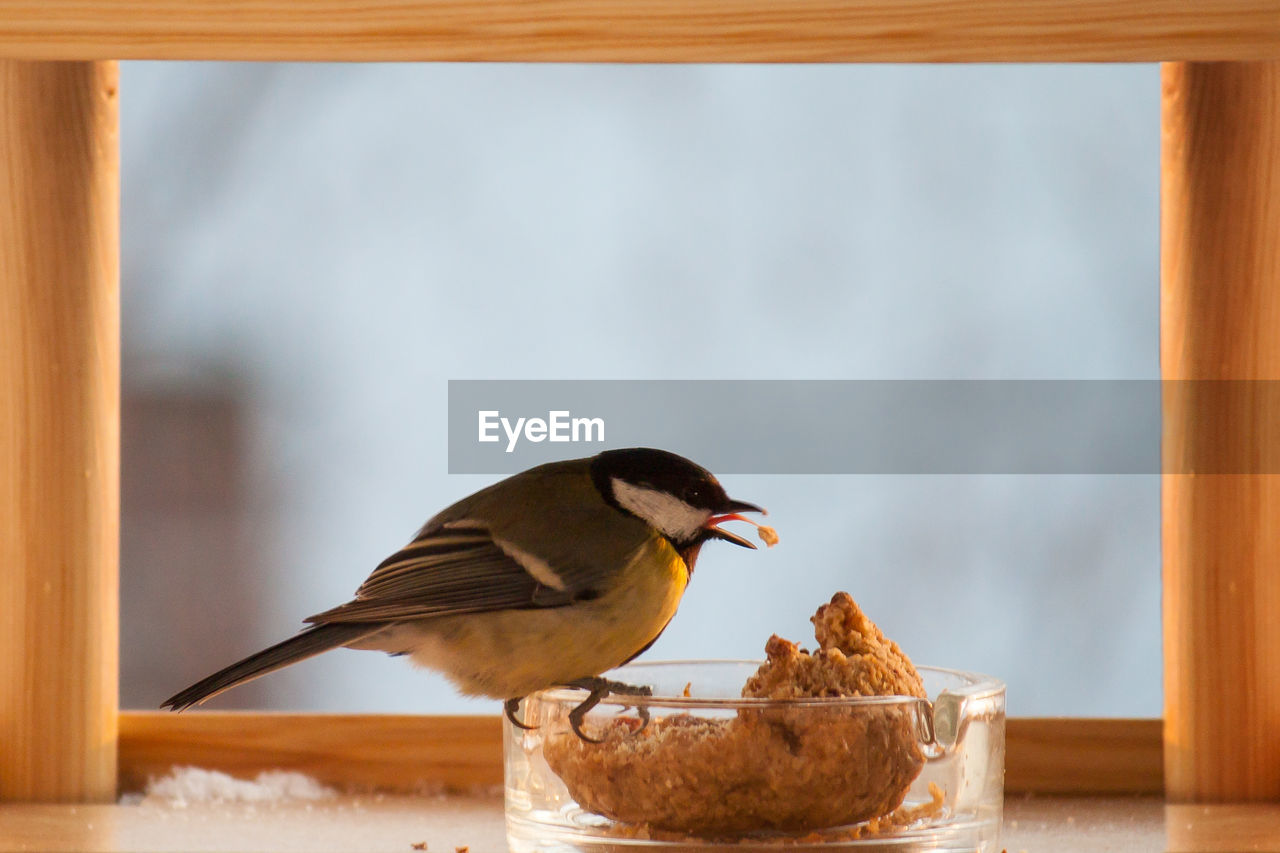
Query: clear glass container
{"x": 710, "y": 769}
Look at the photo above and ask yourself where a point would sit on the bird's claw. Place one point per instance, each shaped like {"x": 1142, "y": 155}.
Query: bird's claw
{"x": 642, "y": 711}
{"x": 598, "y": 688}
{"x": 511, "y": 707}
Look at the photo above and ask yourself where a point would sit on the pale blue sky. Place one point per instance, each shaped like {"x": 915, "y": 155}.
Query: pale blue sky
{"x": 345, "y": 239}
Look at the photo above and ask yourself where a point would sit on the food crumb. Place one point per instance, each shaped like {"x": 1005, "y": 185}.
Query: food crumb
{"x": 462, "y": 849}
{"x": 688, "y": 689}
{"x": 767, "y": 535}
{"x": 419, "y": 845}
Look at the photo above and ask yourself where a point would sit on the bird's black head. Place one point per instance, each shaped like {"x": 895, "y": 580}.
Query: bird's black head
{"x": 680, "y": 499}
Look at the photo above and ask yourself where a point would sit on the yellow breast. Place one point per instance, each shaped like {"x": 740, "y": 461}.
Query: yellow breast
{"x": 512, "y": 653}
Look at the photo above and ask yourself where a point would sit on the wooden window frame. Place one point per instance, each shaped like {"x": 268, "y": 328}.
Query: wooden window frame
{"x": 59, "y": 354}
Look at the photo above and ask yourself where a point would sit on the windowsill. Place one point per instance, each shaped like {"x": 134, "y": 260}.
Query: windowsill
{"x": 395, "y": 823}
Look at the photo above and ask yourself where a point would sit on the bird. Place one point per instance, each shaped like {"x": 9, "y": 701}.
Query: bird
{"x": 547, "y": 578}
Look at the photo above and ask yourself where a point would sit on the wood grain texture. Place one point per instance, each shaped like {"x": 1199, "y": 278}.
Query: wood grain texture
{"x": 644, "y": 30}
{"x": 392, "y": 824}
{"x": 354, "y": 823}
{"x": 1083, "y": 756}
{"x": 59, "y": 430}
{"x": 1227, "y": 828}
{"x": 380, "y": 751}
{"x": 406, "y": 753}
{"x": 1220, "y": 319}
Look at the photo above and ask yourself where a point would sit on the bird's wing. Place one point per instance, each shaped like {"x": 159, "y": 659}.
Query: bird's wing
{"x": 559, "y": 516}
{"x": 554, "y": 543}
{"x": 458, "y": 568}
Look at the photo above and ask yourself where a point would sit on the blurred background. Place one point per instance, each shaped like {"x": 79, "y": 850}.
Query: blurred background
{"x": 312, "y": 251}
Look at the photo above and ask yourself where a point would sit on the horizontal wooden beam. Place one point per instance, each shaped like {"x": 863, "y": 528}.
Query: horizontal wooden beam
{"x": 391, "y": 752}
{"x": 644, "y": 30}
{"x": 406, "y": 753}
{"x": 1053, "y": 755}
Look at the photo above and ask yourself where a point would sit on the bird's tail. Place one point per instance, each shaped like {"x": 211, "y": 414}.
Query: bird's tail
{"x": 307, "y": 644}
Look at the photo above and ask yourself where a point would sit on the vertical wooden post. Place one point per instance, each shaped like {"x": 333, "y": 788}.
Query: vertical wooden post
{"x": 59, "y": 430}
{"x": 1220, "y": 319}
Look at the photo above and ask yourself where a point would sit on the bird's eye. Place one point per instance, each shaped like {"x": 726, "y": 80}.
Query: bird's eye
{"x": 691, "y": 494}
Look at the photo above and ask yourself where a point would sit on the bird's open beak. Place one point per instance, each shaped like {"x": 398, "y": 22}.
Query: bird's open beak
{"x": 734, "y": 510}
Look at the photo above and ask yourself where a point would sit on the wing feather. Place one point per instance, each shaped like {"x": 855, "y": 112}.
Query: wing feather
{"x": 448, "y": 570}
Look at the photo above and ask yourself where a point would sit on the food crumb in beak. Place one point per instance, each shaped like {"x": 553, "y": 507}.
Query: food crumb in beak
{"x": 767, "y": 535}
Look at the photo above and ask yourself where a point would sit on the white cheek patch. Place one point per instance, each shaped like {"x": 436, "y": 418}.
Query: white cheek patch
{"x": 672, "y": 516}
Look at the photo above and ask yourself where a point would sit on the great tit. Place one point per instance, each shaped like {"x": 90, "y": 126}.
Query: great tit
{"x": 547, "y": 578}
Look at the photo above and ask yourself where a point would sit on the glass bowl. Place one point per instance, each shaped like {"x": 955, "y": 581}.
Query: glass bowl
{"x": 710, "y": 769}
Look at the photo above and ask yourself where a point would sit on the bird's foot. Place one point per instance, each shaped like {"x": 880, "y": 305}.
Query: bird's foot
{"x": 511, "y": 707}
{"x": 597, "y": 689}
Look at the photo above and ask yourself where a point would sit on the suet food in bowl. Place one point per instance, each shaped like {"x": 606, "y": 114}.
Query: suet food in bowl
{"x": 839, "y": 746}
